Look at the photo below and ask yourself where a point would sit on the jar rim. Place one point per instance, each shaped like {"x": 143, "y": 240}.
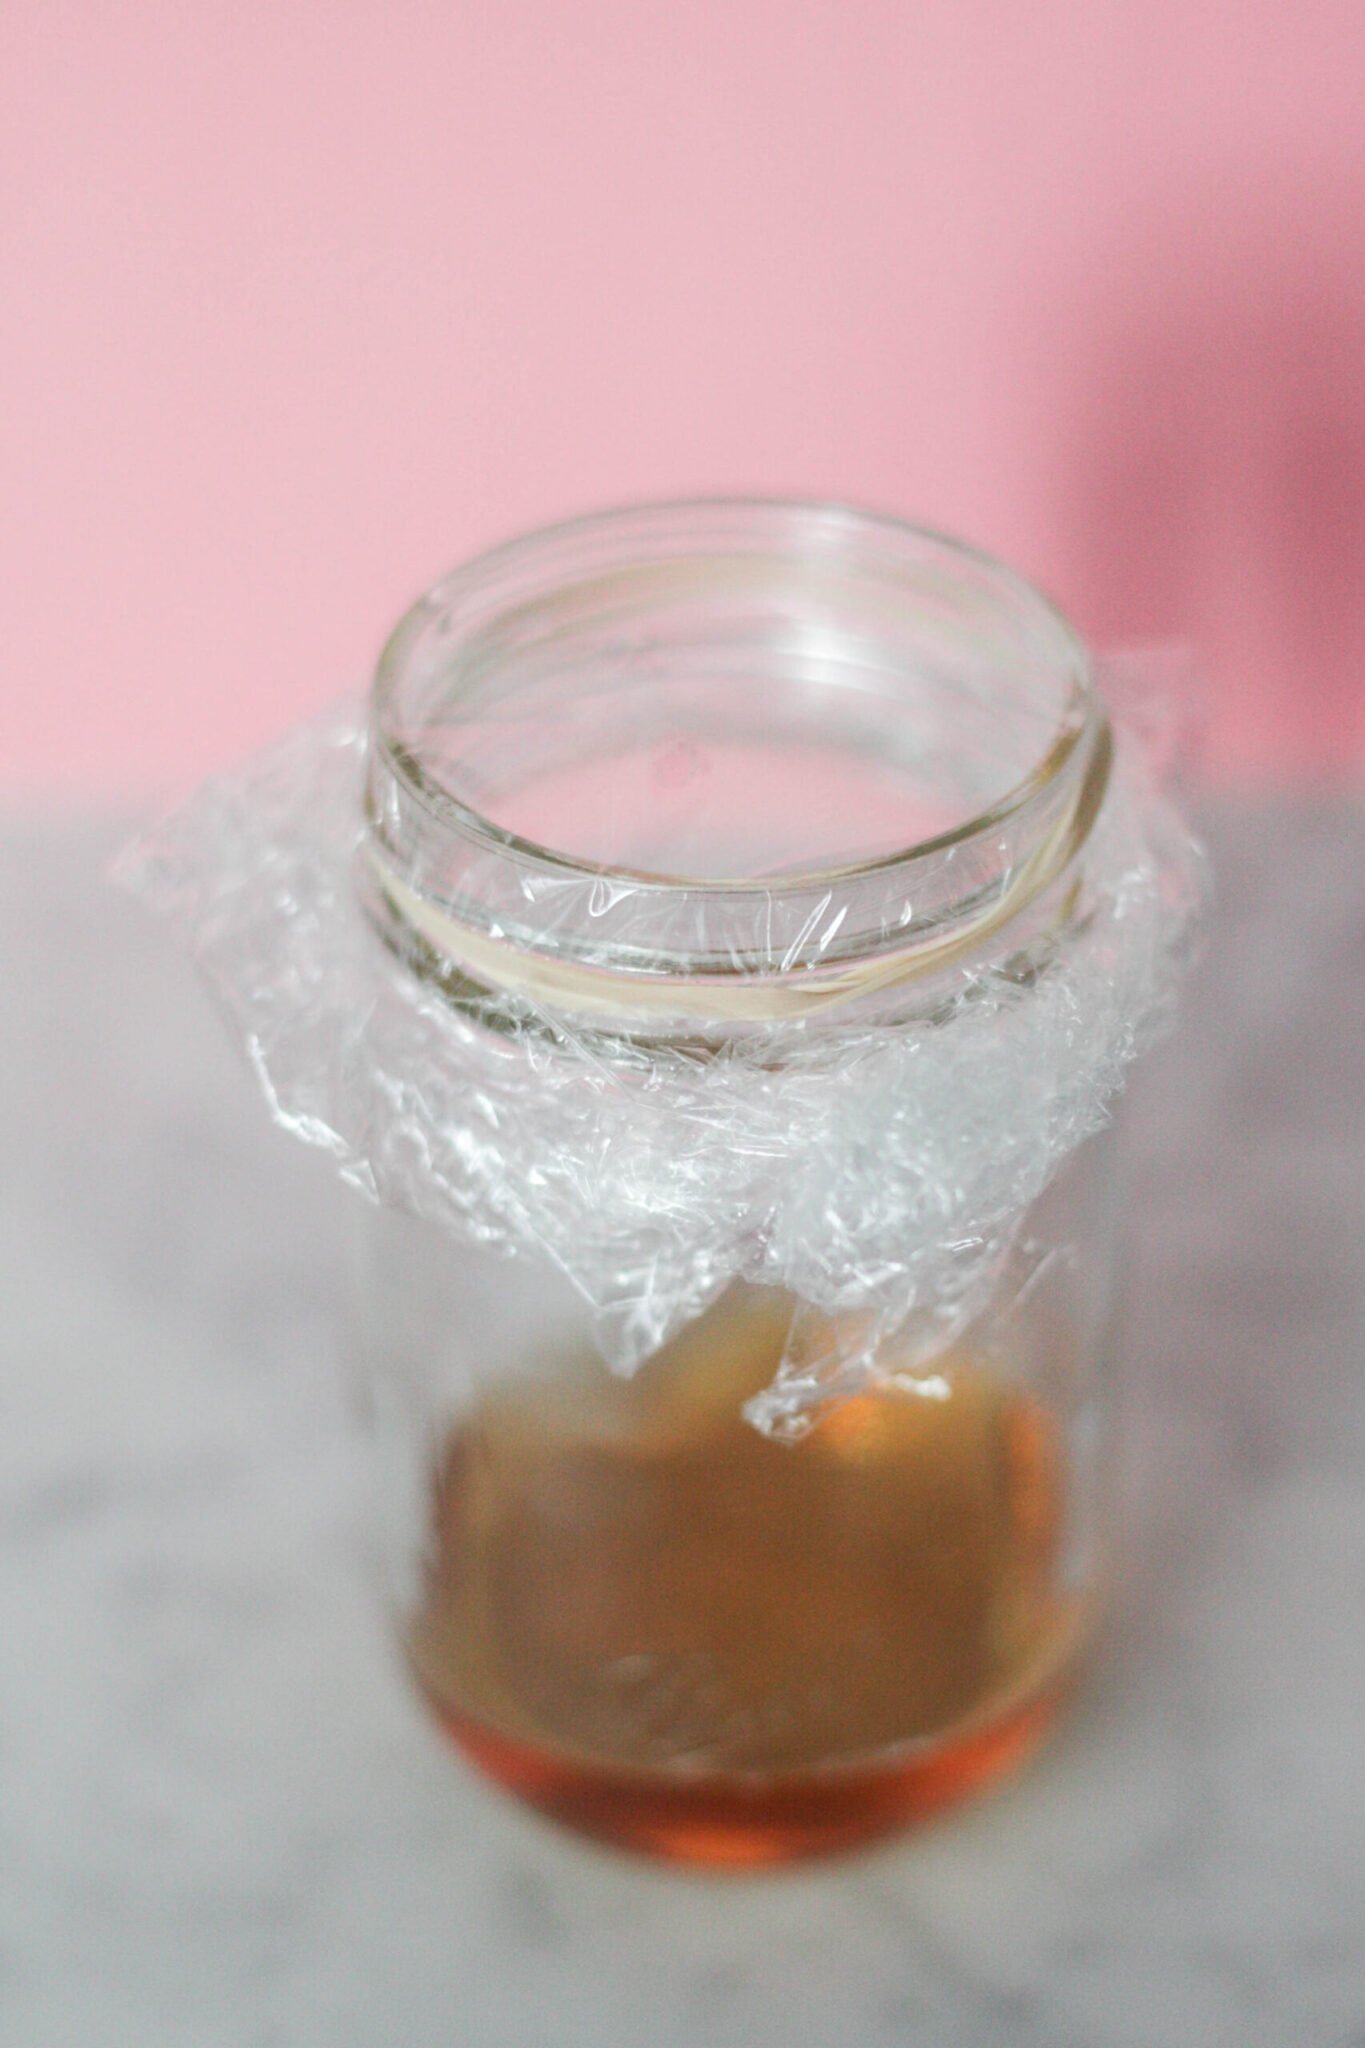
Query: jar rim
{"x": 424, "y": 840}
{"x": 1081, "y": 712}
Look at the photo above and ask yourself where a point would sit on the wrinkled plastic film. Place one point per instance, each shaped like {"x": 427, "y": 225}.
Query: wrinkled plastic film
{"x": 877, "y": 1166}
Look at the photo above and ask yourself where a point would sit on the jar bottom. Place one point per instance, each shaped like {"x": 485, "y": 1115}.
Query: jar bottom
{"x": 660, "y": 1627}
{"x": 734, "y": 1823}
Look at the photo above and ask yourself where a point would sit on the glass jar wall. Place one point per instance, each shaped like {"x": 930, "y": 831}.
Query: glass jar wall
{"x": 629, "y": 1597}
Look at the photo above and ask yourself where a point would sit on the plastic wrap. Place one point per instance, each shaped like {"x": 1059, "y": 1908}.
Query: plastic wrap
{"x": 876, "y": 1166}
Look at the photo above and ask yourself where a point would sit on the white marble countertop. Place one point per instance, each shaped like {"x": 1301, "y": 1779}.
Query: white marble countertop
{"x": 224, "y": 1823}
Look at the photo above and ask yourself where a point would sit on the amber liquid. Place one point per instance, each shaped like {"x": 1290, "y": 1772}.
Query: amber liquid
{"x": 662, "y": 1628}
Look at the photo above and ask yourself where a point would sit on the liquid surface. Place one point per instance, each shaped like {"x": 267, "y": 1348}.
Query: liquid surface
{"x": 657, "y": 1624}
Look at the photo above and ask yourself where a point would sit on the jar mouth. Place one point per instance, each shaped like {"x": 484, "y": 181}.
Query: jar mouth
{"x": 858, "y": 672}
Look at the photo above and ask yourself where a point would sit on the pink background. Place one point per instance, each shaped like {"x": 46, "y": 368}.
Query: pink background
{"x": 301, "y": 303}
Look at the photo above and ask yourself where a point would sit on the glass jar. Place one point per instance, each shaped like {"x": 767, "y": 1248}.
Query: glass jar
{"x": 667, "y": 779}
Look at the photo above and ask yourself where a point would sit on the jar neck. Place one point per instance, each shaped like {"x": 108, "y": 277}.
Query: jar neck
{"x": 506, "y": 666}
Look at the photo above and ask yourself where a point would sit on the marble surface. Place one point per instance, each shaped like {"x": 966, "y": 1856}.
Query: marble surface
{"x": 222, "y": 1820}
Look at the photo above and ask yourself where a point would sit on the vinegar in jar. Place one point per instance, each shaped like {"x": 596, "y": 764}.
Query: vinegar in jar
{"x": 664, "y": 1628}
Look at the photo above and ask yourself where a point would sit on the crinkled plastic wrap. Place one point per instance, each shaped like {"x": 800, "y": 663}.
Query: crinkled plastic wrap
{"x": 877, "y": 1169}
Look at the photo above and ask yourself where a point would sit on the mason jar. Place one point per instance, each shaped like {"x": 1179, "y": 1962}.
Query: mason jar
{"x": 718, "y": 1574}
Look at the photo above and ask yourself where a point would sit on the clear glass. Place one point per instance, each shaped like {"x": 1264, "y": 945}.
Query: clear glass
{"x": 624, "y": 1601}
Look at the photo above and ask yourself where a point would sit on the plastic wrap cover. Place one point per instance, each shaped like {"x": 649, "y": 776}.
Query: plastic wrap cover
{"x": 878, "y": 1168}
